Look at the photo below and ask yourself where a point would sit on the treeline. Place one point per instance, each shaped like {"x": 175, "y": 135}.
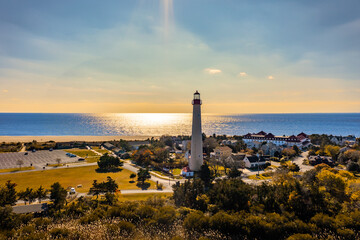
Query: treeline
{"x": 10, "y": 147}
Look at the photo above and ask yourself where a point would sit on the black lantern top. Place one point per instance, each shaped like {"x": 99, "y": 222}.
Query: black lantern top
{"x": 196, "y": 98}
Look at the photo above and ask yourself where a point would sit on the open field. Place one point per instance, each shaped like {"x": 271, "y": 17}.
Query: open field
{"x": 71, "y": 138}
{"x": 16, "y": 169}
{"x": 141, "y": 196}
{"x": 81, "y": 152}
{"x": 69, "y": 177}
{"x": 99, "y": 150}
{"x": 89, "y": 156}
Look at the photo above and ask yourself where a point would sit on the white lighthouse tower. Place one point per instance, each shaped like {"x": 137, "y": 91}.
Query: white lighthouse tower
{"x": 196, "y": 159}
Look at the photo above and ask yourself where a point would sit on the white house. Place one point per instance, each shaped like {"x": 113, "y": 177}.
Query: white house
{"x": 252, "y": 161}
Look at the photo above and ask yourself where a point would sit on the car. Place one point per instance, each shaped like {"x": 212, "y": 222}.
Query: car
{"x": 81, "y": 159}
{"x": 34, "y": 150}
{"x": 26, "y": 153}
{"x": 72, "y": 190}
{"x": 50, "y": 149}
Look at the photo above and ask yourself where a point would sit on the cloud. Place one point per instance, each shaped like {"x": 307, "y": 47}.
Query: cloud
{"x": 270, "y": 77}
{"x": 242, "y": 74}
{"x": 212, "y": 71}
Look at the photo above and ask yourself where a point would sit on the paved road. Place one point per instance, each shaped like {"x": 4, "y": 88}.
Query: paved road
{"x": 166, "y": 183}
{"x": 299, "y": 161}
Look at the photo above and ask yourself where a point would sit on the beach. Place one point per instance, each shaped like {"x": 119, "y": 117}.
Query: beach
{"x": 70, "y": 138}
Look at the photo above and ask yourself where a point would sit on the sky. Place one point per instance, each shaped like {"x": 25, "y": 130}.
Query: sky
{"x": 150, "y": 56}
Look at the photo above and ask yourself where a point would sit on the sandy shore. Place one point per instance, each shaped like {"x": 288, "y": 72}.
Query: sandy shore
{"x": 70, "y": 138}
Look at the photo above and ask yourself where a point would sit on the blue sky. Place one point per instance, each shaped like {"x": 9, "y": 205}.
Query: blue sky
{"x": 129, "y": 56}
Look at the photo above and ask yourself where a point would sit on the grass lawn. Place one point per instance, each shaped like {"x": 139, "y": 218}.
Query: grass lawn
{"x": 69, "y": 177}
{"x": 141, "y": 196}
{"x": 16, "y": 169}
{"x": 176, "y": 171}
{"x": 260, "y": 177}
{"x": 103, "y": 151}
{"x": 81, "y": 152}
{"x": 89, "y": 156}
{"x": 92, "y": 159}
{"x": 99, "y": 150}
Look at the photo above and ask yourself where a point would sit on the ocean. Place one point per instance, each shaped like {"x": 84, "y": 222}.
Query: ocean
{"x": 156, "y": 124}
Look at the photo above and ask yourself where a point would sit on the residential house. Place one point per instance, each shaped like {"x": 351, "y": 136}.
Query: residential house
{"x": 315, "y": 160}
{"x": 222, "y": 152}
{"x": 186, "y": 172}
{"x": 235, "y": 160}
{"x": 252, "y": 161}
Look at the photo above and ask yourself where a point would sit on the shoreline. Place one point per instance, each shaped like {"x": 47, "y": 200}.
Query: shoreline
{"x": 23, "y": 139}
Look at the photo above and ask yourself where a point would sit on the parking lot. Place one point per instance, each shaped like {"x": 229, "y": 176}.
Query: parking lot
{"x": 38, "y": 158}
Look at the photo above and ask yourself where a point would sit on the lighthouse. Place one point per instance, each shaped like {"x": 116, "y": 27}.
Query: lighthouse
{"x": 196, "y": 159}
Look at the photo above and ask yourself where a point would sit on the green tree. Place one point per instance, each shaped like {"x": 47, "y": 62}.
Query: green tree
{"x": 132, "y": 176}
{"x": 143, "y": 175}
{"x": 294, "y": 167}
{"x": 58, "y": 195}
{"x": 41, "y": 193}
{"x": 234, "y": 173}
{"x": 110, "y": 186}
{"x": 186, "y": 194}
{"x": 20, "y": 163}
{"x": 107, "y": 162}
{"x": 296, "y": 149}
{"x": 161, "y": 155}
{"x": 8, "y": 194}
{"x": 230, "y": 194}
{"x": 27, "y": 195}
{"x": 332, "y": 151}
{"x": 206, "y": 175}
{"x": 95, "y": 190}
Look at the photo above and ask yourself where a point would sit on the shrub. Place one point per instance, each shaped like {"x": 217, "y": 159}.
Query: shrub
{"x": 145, "y": 211}
{"x": 28, "y": 229}
{"x": 223, "y": 222}
{"x": 41, "y": 222}
{"x": 121, "y": 228}
{"x": 353, "y": 167}
{"x": 196, "y": 221}
{"x": 166, "y": 216}
{"x": 60, "y": 233}
{"x": 300, "y": 236}
{"x": 346, "y": 233}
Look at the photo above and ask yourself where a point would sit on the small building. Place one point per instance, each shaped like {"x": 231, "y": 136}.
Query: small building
{"x": 235, "y": 160}
{"x": 186, "y": 172}
{"x": 136, "y": 144}
{"x": 222, "y": 152}
{"x": 252, "y": 161}
{"x": 108, "y": 146}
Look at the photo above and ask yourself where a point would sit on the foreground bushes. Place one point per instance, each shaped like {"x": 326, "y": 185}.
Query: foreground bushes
{"x": 323, "y": 204}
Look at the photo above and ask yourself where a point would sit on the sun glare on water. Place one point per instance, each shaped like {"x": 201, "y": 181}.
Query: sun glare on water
{"x": 154, "y": 119}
